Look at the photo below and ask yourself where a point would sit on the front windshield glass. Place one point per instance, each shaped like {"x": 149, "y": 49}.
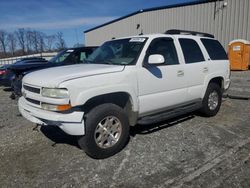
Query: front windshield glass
{"x": 118, "y": 52}
{"x": 65, "y": 55}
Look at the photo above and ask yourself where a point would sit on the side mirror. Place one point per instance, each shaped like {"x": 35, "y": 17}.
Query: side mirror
{"x": 156, "y": 59}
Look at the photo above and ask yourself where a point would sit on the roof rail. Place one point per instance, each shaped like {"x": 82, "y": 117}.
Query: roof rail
{"x": 184, "y": 32}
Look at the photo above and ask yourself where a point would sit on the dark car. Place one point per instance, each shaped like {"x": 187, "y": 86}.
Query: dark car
{"x": 5, "y": 75}
{"x": 66, "y": 57}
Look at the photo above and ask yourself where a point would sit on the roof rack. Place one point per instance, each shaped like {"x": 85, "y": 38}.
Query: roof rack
{"x": 185, "y": 32}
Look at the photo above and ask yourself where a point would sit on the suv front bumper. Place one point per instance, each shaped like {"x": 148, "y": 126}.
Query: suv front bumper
{"x": 71, "y": 123}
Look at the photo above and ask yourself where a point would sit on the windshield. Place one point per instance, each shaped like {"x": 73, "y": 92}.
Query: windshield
{"x": 118, "y": 52}
{"x": 61, "y": 56}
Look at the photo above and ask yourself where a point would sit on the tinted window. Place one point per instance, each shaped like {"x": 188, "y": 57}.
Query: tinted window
{"x": 165, "y": 47}
{"x": 71, "y": 56}
{"x": 191, "y": 51}
{"x": 214, "y": 49}
{"x": 118, "y": 52}
{"x": 84, "y": 54}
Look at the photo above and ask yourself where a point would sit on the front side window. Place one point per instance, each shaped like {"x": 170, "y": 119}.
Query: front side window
{"x": 191, "y": 51}
{"x": 164, "y": 47}
{"x": 214, "y": 49}
{"x": 118, "y": 52}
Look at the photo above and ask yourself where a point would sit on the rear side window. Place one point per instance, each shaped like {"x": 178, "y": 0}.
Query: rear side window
{"x": 191, "y": 51}
{"x": 214, "y": 49}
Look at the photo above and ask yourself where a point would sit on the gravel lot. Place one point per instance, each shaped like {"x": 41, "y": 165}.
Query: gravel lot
{"x": 189, "y": 151}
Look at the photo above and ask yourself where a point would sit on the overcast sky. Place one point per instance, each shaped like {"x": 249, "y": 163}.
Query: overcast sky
{"x": 72, "y": 17}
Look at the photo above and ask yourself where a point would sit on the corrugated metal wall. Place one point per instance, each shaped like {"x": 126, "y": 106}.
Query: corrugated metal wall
{"x": 225, "y": 22}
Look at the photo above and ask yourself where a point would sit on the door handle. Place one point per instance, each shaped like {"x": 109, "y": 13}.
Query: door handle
{"x": 205, "y": 69}
{"x": 180, "y": 73}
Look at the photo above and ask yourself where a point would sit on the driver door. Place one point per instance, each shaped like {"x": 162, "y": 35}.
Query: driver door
{"x": 164, "y": 85}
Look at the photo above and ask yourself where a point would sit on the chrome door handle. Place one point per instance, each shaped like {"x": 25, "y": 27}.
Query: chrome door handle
{"x": 205, "y": 69}
{"x": 180, "y": 73}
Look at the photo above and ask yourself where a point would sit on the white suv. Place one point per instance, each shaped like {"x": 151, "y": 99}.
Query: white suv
{"x": 139, "y": 79}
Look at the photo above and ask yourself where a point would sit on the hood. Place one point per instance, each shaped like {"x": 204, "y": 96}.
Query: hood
{"x": 23, "y": 66}
{"x": 52, "y": 77}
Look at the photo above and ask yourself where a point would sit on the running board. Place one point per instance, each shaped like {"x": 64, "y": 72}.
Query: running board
{"x": 171, "y": 113}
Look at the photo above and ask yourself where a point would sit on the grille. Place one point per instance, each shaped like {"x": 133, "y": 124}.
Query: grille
{"x": 31, "y": 89}
{"x": 33, "y": 101}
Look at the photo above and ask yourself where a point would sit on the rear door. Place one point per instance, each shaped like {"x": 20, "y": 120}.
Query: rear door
{"x": 196, "y": 67}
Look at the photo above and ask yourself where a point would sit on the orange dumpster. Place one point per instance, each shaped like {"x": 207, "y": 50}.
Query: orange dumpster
{"x": 239, "y": 54}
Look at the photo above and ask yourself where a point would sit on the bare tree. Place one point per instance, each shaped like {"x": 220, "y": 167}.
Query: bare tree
{"x": 60, "y": 44}
{"x": 27, "y": 41}
{"x": 3, "y": 41}
{"x": 49, "y": 41}
{"x": 12, "y": 43}
{"x": 41, "y": 43}
{"x": 35, "y": 41}
{"x": 28, "y": 38}
{"x": 20, "y": 34}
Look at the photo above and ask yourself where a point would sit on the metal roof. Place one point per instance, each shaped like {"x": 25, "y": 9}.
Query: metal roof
{"x": 196, "y": 2}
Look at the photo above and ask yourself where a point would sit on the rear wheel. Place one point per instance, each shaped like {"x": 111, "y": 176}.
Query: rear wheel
{"x": 106, "y": 131}
{"x": 212, "y": 100}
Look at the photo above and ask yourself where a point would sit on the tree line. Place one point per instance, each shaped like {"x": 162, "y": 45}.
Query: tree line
{"x": 26, "y": 41}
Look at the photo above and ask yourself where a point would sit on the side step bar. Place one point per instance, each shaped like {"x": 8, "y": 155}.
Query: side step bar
{"x": 171, "y": 113}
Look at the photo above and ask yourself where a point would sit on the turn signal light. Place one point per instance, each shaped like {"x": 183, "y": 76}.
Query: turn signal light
{"x": 63, "y": 107}
{"x": 53, "y": 107}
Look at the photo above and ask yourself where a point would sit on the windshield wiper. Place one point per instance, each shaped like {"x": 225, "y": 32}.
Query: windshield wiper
{"x": 105, "y": 62}
{"x": 87, "y": 61}
{"x": 109, "y": 61}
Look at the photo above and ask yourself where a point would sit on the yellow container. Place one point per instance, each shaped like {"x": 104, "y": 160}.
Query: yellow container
{"x": 239, "y": 54}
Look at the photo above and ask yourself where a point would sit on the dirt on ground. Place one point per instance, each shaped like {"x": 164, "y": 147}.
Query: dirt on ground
{"x": 188, "y": 151}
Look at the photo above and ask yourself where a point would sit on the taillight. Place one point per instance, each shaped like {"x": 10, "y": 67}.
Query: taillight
{"x": 3, "y": 72}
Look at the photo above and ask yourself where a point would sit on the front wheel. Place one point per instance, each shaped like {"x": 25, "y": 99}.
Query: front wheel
{"x": 106, "y": 131}
{"x": 212, "y": 100}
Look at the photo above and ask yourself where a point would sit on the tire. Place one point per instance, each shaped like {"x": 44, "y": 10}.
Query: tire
{"x": 100, "y": 143}
{"x": 212, "y": 100}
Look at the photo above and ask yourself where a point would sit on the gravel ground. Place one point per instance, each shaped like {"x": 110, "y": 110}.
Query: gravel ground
{"x": 189, "y": 151}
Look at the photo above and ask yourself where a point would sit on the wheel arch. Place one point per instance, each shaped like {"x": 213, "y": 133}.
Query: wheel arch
{"x": 218, "y": 80}
{"x": 119, "y": 98}
{"x": 214, "y": 79}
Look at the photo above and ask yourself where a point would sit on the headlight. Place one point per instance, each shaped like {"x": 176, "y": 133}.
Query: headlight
{"x": 55, "y": 93}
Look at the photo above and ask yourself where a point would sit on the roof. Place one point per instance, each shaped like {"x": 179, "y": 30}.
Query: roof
{"x": 196, "y": 2}
{"x": 159, "y": 35}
